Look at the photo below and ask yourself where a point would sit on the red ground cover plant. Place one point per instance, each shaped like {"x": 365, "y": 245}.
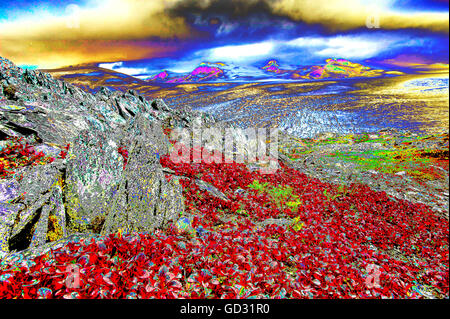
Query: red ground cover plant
{"x": 63, "y": 153}
{"x": 233, "y": 255}
{"x": 18, "y": 153}
{"x": 124, "y": 152}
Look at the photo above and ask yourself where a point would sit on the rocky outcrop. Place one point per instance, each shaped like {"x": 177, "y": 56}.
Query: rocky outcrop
{"x": 37, "y": 194}
{"x": 145, "y": 199}
{"x": 94, "y": 170}
{"x": 92, "y": 187}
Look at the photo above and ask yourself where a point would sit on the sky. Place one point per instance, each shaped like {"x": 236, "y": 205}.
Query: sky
{"x": 140, "y": 37}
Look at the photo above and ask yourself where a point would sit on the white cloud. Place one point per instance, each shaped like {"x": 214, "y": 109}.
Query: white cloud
{"x": 343, "y": 46}
{"x": 307, "y": 42}
{"x": 132, "y": 71}
{"x": 241, "y": 52}
{"x": 353, "y": 48}
{"x": 118, "y": 67}
{"x": 110, "y": 66}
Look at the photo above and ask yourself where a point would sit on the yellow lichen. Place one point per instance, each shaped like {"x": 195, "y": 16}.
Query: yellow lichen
{"x": 55, "y": 231}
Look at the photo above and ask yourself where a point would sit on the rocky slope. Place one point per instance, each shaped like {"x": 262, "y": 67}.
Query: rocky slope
{"x": 87, "y": 182}
{"x": 80, "y": 184}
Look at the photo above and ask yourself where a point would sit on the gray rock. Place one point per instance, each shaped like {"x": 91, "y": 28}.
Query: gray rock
{"x": 48, "y": 150}
{"x": 37, "y": 180}
{"x": 110, "y": 112}
{"x": 211, "y": 189}
{"x": 40, "y": 233}
{"x": 149, "y": 130}
{"x": 8, "y": 214}
{"x": 54, "y": 207}
{"x": 27, "y": 217}
{"x": 160, "y": 105}
{"x": 167, "y": 170}
{"x": 89, "y": 191}
{"x": 275, "y": 221}
{"x": 94, "y": 170}
{"x": 37, "y": 186}
{"x": 8, "y": 190}
{"x": 145, "y": 199}
{"x": 121, "y": 109}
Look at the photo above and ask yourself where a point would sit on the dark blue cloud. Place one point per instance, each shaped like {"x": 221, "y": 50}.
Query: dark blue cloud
{"x": 422, "y": 5}
{"x": 17, "y": 8}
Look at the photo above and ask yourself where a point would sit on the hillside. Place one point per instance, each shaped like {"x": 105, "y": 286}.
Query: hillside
{"x": 96, "y": 182}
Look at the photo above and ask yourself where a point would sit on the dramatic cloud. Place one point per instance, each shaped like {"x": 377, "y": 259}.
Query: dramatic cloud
{"x": 103, "y": 20}
{"x": 50, "y": 34}
{"x": 53, "y": 54}
{"x": 107, "y": 30}
{"x": 352, "y": 14}
{"x": 336, "y": 15}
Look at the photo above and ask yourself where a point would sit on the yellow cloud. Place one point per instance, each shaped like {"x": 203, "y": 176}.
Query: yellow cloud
{"x": 49, "y": 54}
{"x": 339, "y": 15}
{"x": 140, "y": 19}
{"x": 109, "y": 20}
{"x": 104, "y": 32}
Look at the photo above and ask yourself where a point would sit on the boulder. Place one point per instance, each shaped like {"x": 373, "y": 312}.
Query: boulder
{"x": 150, "y": 130}
{"x": 160, "y": 105}
{"x": 94, "y": 170}
{"x": 145, "y": 200}
{"x": 8, "y": 214}
{"x": 38, "y": 186}
{"x": 211, "y": 189}
{"x": 54, "y": 208}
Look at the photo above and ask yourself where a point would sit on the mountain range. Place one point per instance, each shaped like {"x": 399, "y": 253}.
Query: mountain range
{"x": 217, "y": 72}
{"x": 93, "y": 77}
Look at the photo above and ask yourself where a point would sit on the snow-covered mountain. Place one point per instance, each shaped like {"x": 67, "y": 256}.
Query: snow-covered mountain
{"x": 271, "y": 70}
